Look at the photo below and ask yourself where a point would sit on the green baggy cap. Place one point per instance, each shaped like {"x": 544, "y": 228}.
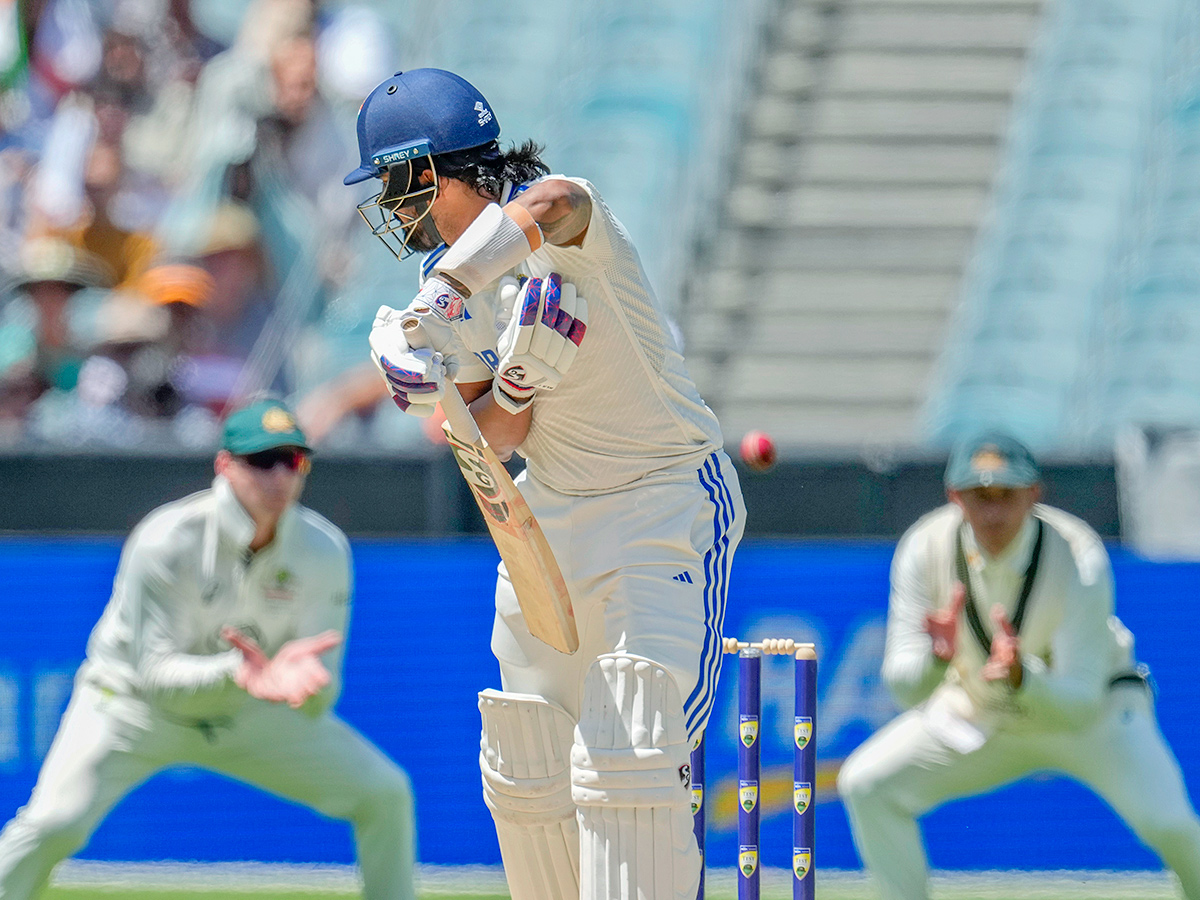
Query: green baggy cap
{"x": 989, "y": 460}
{"x": 262, "y": 425}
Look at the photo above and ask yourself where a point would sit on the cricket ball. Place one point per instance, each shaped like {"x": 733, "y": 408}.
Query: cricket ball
{"x": 758, "y": 451}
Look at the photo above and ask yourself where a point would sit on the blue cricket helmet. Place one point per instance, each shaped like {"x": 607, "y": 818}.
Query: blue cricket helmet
{"x": 422, "y": 112}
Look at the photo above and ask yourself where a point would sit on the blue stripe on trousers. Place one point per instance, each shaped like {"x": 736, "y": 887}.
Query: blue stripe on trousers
{"x": 716, "y": 572}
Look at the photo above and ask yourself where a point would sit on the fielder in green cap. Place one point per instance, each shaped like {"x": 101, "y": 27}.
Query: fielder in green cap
{"x": 1003, "y": 646}
{"x": 221, "y": 646}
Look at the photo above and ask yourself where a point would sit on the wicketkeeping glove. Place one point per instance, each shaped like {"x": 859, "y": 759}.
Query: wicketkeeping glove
{"x": 415, "y": 378}
{"x": 540, "y": 342}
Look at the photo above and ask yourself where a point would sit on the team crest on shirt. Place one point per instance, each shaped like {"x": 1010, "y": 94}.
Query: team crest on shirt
{"x": 697, "y": 797}
{"x": 748, "y": 730}
{"x": 748, "y": 795}
{"x": 801, "y": 862}
{"x": 804, "y": 729}
{"x": 281, "y": 586}
{"x": 801, "y": 796}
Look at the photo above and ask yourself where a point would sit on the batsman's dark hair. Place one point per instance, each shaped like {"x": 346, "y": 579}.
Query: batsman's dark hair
{"x": 486, "y": 168}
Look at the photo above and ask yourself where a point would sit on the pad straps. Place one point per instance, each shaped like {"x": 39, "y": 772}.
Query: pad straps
{"x": 982, "y": 636}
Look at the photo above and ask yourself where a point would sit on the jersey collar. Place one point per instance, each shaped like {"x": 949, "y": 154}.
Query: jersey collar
{"x": 232, "y": 522}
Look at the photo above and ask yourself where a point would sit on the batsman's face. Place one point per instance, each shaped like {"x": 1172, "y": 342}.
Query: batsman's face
{"x": 264, "y": 493}
{"x": 410, "y": 201}
{"x": 996, "y": 514}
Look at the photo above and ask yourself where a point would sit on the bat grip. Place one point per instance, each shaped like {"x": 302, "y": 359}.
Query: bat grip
{"x": 458, "y": 416}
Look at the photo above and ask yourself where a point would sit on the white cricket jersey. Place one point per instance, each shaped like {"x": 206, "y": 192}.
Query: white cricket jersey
{"x": 1072, "y": 645}
{"x": 627, "y": 409}
{"x": 187, "y": 571}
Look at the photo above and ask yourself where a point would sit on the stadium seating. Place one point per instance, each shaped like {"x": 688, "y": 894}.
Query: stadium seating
{"x": 861, "y": 177}
{"x": 1050, "y": 291}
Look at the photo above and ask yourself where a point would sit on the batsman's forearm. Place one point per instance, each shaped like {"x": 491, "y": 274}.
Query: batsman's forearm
{"x": 503, "y": 431}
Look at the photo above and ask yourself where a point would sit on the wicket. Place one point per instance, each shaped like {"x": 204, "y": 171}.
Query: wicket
{"x": 749, "y": 757}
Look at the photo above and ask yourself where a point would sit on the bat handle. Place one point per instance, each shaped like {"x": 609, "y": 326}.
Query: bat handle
{"x": 458, "y": 416}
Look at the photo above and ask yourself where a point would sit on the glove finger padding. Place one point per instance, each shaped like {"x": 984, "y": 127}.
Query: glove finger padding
{"x": 416, "y": 379}
{"x": 542, "y": 344}
{"x": 542, "y": 340}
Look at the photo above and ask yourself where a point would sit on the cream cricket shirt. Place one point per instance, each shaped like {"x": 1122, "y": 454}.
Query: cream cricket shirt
{"x": 186, "y": 571}
{"x": 1071, "y": 642}
{"x": 628, "y": 410}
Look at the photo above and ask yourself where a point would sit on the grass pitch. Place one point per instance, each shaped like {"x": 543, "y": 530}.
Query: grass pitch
{"x": 175, "y": 881}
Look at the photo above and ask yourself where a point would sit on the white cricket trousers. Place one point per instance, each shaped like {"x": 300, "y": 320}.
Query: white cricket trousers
{"x": 648, "y": 573}
{"x": 906, "y": 770}
{"x": 108, "y": 744}
{"x": 647, "y": 569}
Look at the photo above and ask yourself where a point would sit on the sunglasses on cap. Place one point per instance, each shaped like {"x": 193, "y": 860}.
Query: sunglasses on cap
{"x": 295, "y": 459}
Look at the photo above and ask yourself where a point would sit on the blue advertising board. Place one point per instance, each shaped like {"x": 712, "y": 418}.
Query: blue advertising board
{"x": 418, "y": 654}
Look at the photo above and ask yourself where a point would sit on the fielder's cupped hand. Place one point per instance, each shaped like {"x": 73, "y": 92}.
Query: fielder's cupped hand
{"x": 542, "y": 338}
{"x": 291, "y": 676}
{"x": 942, "y": 625}
{"x": 415, "y": 378}
{"x": 1004, "y": 663}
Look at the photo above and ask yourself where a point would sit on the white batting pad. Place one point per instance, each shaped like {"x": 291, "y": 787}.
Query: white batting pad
{"x": 631, "y": 779}
{"x": 525, "y": 760}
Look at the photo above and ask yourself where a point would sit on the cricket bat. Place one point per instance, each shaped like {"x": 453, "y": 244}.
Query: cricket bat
{"x": 536, "y": 578}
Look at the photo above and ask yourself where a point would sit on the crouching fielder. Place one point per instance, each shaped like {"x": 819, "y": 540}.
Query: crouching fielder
{"x": 1001, "y": 636}
{"x": 584, "y": 757}
{"x": 220, "y": 648}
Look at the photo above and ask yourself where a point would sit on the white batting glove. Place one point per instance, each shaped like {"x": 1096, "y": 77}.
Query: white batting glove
{"x": 461, "y": 329}
{"x": 415, "y": 378}
{"x": 541, "y": 340}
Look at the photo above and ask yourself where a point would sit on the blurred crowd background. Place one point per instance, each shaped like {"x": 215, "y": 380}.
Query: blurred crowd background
{"x": 878, "y": 223}
{"x": 174, "y": 231}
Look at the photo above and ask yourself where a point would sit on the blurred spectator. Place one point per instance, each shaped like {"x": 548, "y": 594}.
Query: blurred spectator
{"x": 153, "y": 332}
{"x": 40, "y": 350}
{"x": 110, "y": 228}
{"x": 195, "y": 133}
{"x": 218, "y": 335}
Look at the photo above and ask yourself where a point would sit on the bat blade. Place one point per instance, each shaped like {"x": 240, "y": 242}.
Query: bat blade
{"x": 536, "y": 578}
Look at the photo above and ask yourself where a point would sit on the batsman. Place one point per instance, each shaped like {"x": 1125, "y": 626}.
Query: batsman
{"x": 535, "y": 307}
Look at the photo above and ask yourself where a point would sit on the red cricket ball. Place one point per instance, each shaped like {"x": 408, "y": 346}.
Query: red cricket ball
{"x": 758, "y": 451}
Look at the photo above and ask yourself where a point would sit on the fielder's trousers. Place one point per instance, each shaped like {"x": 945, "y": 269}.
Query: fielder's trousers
{"x": 108, "y": 744}
{"x": 908, "y": 769}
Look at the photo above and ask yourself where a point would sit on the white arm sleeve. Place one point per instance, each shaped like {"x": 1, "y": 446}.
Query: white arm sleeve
{"x": 909, "y": 666}
{"x": 164, "y": 669}
{"x": 495, "y": 242}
